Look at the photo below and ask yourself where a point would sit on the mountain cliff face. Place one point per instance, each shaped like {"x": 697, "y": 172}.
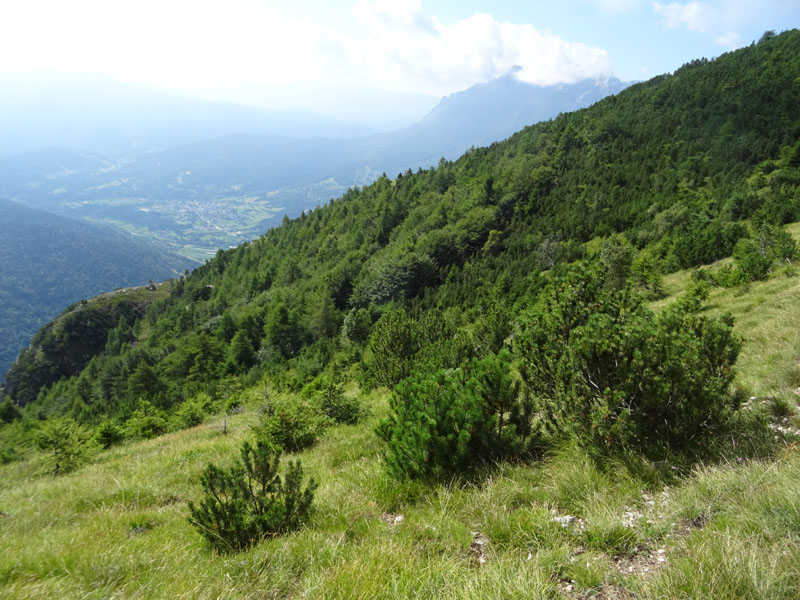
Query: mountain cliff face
{"x": 679, "y": 165}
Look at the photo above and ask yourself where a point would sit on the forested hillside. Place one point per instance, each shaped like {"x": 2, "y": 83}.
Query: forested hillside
{"x": 563, "y": 366}
{"x": 686, "y": 167}
{"x": 48, "y": 262}
{"x": 230, "y": 173}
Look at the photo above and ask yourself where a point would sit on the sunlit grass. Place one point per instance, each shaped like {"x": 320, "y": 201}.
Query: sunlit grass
{"x": 766, "y": 316}
{"x": 560, "y": 528}
{"x": 118, "y": 528}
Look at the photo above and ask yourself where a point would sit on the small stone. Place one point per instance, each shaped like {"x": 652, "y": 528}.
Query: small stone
{"x": 138, "y": 530}
{"x": 564, "y": 521}
{"x": 477, "y": 547}
{"x": 630, "y": 517}
{"x": 392, "y": 519}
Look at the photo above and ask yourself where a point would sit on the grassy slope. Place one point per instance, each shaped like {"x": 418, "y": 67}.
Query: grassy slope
{"x": 767, "y": 316}
{"x": 118, "y": 528}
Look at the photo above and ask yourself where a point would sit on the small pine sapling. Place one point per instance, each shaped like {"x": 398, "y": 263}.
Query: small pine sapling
{"x": 249, "y": 501}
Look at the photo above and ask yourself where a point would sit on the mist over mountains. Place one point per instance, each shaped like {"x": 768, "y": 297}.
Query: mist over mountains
{"x": 380, "y": 109}
{"x": 94, "y": 113}
{"x": 134, "y": 156}
{"x": 187, "y": 177}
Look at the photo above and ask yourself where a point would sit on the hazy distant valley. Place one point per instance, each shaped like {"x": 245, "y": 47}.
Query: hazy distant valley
{"x": 179, "y": 178}
{"x": 193, "y": 176}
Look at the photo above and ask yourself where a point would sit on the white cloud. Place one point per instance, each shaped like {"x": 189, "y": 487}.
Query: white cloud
{"x": 393, "y": 44}
{"x": 180, "y": 43}
{"x": 724, "y": 21}
{"x": 729, "y": 39}
{"x": 616, "y": 6}
{"x": 695, "y": 16}
{"x": 409, "y": 49}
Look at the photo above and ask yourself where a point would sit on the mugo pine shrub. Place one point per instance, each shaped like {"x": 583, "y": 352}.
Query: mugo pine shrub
{"x": 449, "y": 421}
{"x": 249, "y": 501}
{"x": 602, "y": 367}
{"x": 290, "y": 423}
{"x": 337, "y": 406}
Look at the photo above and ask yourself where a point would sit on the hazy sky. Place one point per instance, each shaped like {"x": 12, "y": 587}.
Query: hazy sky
{"x": 429, "y": 46}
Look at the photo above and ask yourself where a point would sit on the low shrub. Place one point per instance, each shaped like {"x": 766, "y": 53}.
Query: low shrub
{"x": 146, "y": 422}
{"x": 447, "y": 422}
{"x": 67, "y": 443}
{"x": 338, "y": 406}
{"x": 249, "y": 501}
{"x": 604, "y": 368}
{"x": 191, "y": 412}
{"x": 109, "y": 434}
{"x": 290, "y": 423}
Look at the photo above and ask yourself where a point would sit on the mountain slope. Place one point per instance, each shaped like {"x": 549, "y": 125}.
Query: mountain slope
{"x": 48, "y": 262}
{"x": 724, "y": 527}
{"x": 678, "y": 164}
{"x": 416, "y": 283}
{"x": 219, "y": 192}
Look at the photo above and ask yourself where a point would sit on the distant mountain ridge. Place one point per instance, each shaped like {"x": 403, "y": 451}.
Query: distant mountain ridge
{"x": 285, "y": 174}
{"x": 480, "y": 115}
{"x": 96, "y": 114}
{"x": 515, "y": 104}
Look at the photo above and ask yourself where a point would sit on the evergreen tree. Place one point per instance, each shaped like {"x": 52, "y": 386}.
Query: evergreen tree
{"x": 249, "y": 501}
{"x": 66, "y": 442}
{"x": 604, "y": 368}
{"x": 241, "y": 355}
{"x": 8, "y": 411}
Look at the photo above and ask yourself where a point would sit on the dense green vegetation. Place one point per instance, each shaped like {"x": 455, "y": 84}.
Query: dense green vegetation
{"x": 523, "y": 305}
{"x": 48, "y": 262}
{"x": 681, "y": 165}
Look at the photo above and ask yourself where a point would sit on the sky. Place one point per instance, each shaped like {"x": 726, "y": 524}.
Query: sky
{"x": 433, "y": 47}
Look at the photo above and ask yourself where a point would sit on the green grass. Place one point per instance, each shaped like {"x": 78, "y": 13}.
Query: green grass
{"x": 560, "y": 528}
{"x": 766, "y": 316}
{"x": 118, "y": 528}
